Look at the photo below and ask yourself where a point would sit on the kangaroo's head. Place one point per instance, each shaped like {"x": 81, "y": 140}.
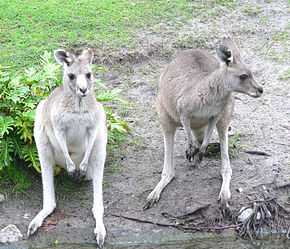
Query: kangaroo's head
{"x": 238, "y": 76}
{"x": 77, "y": 73}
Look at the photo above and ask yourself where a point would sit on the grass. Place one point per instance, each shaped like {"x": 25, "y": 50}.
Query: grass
{"x": 205, "y": 10}
{"x": 15, "y": 180}
{"x": 235, "y": 144}
{"x": 29, "y": 27}
{"x": 279, "y": 50}
{"x": 252, "y": 9}
{"x": 285, "y": 75}
{"x": 281, "y": 36}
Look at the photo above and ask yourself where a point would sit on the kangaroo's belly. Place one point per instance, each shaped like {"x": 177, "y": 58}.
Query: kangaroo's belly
{"x": 207, "y": 111}
{"x": 76, "y": 142}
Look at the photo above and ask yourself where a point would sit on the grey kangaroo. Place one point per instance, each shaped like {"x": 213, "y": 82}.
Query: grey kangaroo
{"x": 196, "y": 92}
{"x": 70, "y": 131}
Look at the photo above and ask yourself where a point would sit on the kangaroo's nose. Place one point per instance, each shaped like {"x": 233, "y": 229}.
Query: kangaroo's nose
{"x": 260, "y": 90}
{"x": 83, "y": 90}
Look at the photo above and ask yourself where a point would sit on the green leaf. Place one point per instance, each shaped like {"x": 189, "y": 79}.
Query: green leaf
{"x": 30, "y": 156}
{"x": 6, "y": 151}
{"x": 6, "y": 125}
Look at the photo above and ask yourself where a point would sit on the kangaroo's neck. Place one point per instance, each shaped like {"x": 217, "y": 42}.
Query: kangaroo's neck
{"x": 217, "y": 85}
{"x": 76, "y": 104}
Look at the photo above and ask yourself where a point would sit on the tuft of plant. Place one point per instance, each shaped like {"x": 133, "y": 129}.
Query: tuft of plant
{"x": 235, "y": 145}
{"x": 285, "y": 75}
{"x": 252, "y": 10}
{"x": 20, "y": 92}
{"x": 213, "y": 149}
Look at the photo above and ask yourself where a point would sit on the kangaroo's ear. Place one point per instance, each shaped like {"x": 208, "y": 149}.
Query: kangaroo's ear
{"x": 63, "y": 57}
{"x": 87, "y": 56}
{"x": 232, "y": 46}
{"x": 225, "y": 54}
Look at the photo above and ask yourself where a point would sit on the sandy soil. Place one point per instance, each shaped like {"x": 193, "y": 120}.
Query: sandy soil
{"x": 263, "y": 124}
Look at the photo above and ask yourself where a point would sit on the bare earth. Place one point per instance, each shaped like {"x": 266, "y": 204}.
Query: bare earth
{"x": 262, "y": 30}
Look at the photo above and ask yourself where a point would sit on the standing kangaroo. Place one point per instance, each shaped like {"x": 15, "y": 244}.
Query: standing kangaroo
{"x": 196, "y": 92}
{"x": 70, "y": 131}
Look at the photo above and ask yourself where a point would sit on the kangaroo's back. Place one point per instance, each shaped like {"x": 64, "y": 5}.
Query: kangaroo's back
{"x": 184, "y": 74}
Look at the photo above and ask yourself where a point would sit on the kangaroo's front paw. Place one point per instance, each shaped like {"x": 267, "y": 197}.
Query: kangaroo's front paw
{"x": 191, "y": 152}
{"x": 100, "y": 233}
{"x": 197, "y": 158}
{"x": 70, "y": 167}
{"x": 83, "y": 168}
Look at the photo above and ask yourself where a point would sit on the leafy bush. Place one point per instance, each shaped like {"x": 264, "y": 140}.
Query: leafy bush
{"x": 20, "y": 93}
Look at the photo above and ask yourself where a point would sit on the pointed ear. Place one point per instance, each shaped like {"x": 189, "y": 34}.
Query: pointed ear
{"x": 232, "y": 46}
{"x": 63, "y": 57}
{"x": 87, "y": 56}
{"x": 225, "y": 54}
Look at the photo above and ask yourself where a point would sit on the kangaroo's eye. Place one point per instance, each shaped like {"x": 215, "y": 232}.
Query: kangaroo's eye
{"x": 88, "y": 75}
{"x": 71, "y": 76}
{"x": 244, "y": 76}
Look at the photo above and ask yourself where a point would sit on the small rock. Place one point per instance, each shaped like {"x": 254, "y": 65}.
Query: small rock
{"x": 2, "y": 197}
{"x": 10, "y": 234}
{"x": 240, "y": 190}
{"x": 26, "y": 216}
{"x": 258, "y": 216}
{"x": 244, "y": 214}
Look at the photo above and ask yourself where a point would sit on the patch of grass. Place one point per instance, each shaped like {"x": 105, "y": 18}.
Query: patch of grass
{"x": 191, "y": 41}
{"x": 234, "y": 145}
{"x": 15, "y": 179}
{"x": 211, "y": 8}
{"x": 281, "y": 36}
{"x": 279, "y": 46}
{"x": 285, "y": 75}
{"x": 213, "y": 149}
{"x": 29, "y": 27}
{"x": 251, "y": 9}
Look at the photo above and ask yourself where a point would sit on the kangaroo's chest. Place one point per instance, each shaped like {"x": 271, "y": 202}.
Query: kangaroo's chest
{"x": 208, "y": 111}
{"x": 76, "y": 126}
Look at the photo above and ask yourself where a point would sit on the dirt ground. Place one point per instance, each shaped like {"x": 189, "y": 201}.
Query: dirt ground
{"x": 262, "y": 30}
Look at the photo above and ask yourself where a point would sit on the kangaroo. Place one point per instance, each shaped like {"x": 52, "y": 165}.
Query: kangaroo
{"x": 196, "y": 92}
{"x": 70, "y": 131}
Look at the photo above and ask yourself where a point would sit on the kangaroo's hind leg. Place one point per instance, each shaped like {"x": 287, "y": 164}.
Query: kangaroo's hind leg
{"x": 47, "y": 164}
{"x": 168, "y": 128}
{"x": 226, "y": 171}
{"x": 95, "y": 171}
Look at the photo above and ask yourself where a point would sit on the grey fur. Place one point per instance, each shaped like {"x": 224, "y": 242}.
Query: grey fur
{"x": 196, "y": 92}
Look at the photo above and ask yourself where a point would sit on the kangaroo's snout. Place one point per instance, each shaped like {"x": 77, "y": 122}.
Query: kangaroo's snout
{"x": 83, "y": 91}
{"x": 260, "y": 90}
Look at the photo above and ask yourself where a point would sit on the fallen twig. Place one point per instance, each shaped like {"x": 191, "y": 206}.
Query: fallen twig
{"x": 286, "y": 185}
{"x": 145, "y": 221}
{"x": 179, "y": 226}
{"x": 256, "y": 152}
{"x": 195, "y": 211}
{"x": 285, "y": 127}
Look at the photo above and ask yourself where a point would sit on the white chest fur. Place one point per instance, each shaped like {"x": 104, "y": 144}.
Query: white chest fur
{"x": 208, "y": 110}
{"x": 75, "y": 126}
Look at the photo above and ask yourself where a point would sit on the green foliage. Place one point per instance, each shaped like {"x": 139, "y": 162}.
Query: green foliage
{"x": 234, "y": 144}
{"x": 29, "y": 27}
{"x": 19, "y": 95}
{"x": 211, "y": 8}
{"x": 285, "y": 75}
